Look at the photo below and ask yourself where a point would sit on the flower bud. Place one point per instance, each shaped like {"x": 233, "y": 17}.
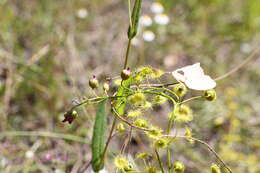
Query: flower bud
{"x": 137, "y": 99}
{"x": 125, "y": 74}
{"x": 106, "y": 86}
{"x": 120, "y": 127}
{"x": 178, "y": 167}
{"x": 93, "y": 83}
{"x": 180, "y": 89}
{"x": 161, "y": 143}
{"x": 141, "y": 123}
{"x": 210, "y": 95}
{"x": 70, "y": 116}
{"x": 215, "y": 169}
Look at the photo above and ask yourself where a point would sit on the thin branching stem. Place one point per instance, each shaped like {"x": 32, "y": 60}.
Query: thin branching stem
{"x": 207, "y": 145}
{"x": 127, "y": 53}
{"x": 190, "y": 99}
{"x": 249, "y": 58}
{"x": 159, "y": 160}
{"x": 129, "y": 123}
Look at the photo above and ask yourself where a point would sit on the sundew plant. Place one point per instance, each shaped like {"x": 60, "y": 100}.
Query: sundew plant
{"x": 140, "y": 89}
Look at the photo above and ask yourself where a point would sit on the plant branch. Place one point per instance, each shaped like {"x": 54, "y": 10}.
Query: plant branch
{"x": 159, "y": 160}
{"x": 251, "y": 56}
{"x": 207, "y": 145}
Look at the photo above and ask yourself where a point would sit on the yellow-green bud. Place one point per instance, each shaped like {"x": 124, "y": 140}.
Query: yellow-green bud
{"x": 215, "y": 169}
{"x": 137, "y": 99}
{"x": 161, "y": 143}
{"x": 120, "y": 127}
{"x": 121, "y": 162}
{"x": 142, "y": 155}
{"x": 125, "y": 74}
{"x": 93, "y": 83}
{"x": 140, "y": 123}
{"x": 180, "y": 89}
{"x": 178, "y": 167}
{"x": 106, "y": 86}
{"x": 210, "y": 95}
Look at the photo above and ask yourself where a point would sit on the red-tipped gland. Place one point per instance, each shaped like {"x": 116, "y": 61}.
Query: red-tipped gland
{"x": 93, "y": 83}
{"x": 106, "y": 86}
{"x": 125, "y": 74}
{"x": 70, "y": 116}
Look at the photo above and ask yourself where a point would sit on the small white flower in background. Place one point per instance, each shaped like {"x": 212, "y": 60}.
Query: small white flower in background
{"x": 135, "y": 41}
{"x": 29, "y": 154}
{"x": 245, "y": 48}
{"x": 148, "y": 36}
{"x": 82, "y": 13}
{"x": 146, "y": 20}
{"x": 101, "y": 171}
{"x": 157, "y": 8}
{"x": 194, "y": 78}
{"x": 59, "y": 171}
{"x": 161, "y": 19}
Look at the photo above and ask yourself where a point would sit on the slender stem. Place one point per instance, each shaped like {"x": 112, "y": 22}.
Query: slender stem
{"x": 127, "y": 53}
{"x": 44, "y": 134}
{"x": 190, "y": 99}
{"x": 159, "y": 160}
{"x": 169, "y": 159}
{"x": 168, "y": 149}
{"x": 207, "y": 145}
{"x": 165, "y": 89}
{"x": 129, "y": 123}
{"x": 109, "y": 138}
{"x": 251, "y": 56}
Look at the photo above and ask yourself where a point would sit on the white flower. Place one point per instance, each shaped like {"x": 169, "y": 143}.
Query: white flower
{"x": 148, "y": 36}
{"x": 135, "y": 41}
{"x": 29, "y": 154}
{"x": 194, "y": 78}
{"x": 146, "y": 20}
{"x": 82, "y": 13}
{"x": 157, "y": 8}
{"x": 101, "y": 171}
{"x": 161, "y": 19}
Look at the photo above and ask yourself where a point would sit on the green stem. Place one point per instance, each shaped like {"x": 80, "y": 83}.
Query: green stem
{"x": 159, "y": 160}
{"x": 127, "y": 53}
{"x": 190, "y": 99}
{"x": 109, "y": 138}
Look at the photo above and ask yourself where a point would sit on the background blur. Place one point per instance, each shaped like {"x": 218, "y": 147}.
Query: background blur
{"x": 49, "y": 49}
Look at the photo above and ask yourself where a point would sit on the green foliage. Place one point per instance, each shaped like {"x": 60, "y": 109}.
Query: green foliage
{"x": 98, "y": 138}
{"x": 132, "y": 30}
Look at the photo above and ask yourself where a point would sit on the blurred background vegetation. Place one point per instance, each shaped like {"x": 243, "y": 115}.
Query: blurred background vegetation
{"x": 49, "y": 49}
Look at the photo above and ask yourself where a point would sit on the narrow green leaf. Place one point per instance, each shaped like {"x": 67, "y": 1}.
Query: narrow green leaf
{"x": 98, "y": 138}
{"x": 132, "y": 30}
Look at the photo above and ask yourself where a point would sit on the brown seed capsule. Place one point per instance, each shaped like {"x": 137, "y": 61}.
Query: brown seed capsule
{"x": 93, "y": 83}
{"x": 125, "y": 74}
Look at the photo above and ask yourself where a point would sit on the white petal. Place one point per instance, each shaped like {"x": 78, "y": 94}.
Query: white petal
{"x": 148, "y": 36}
{"x": 161, "y": 19}
{"x": 157, "y": 8}
{"x": 146, "y": 20}
{"x": 192, "y": 70}
{"x": 179, "y": 75}
{"x": 200, "y": 83}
